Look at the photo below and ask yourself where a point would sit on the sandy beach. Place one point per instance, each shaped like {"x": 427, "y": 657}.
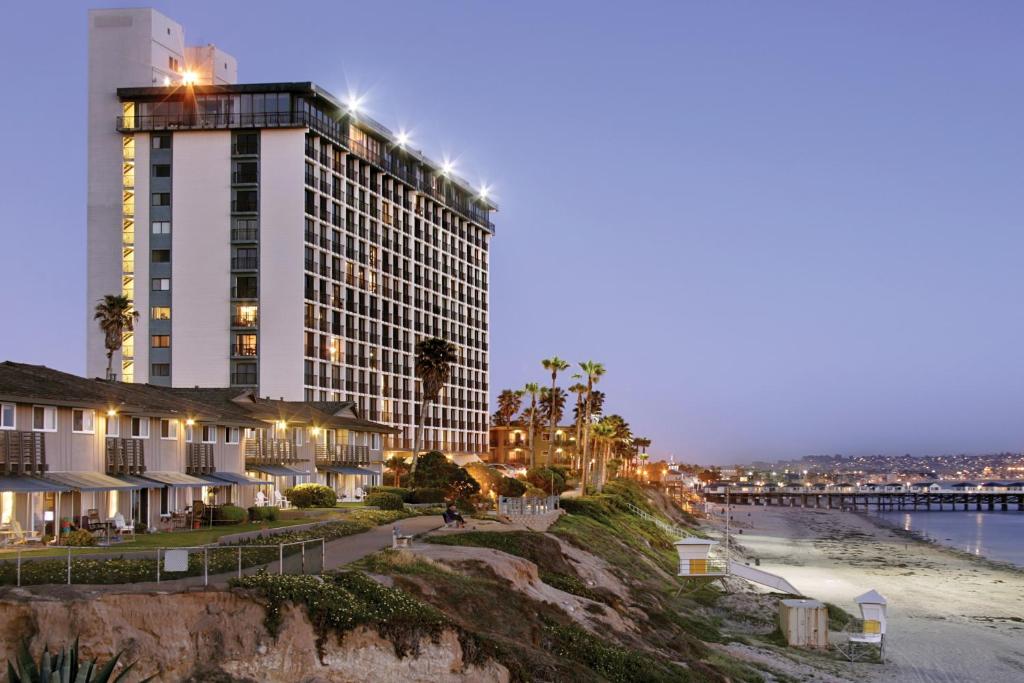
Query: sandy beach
{"x": 952, "y": 618}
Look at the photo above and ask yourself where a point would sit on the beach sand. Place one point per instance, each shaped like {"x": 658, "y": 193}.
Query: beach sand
{"x": 952, "y": 617}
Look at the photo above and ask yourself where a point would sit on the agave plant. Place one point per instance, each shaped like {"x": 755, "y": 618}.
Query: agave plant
{"x": 64, "y": 667}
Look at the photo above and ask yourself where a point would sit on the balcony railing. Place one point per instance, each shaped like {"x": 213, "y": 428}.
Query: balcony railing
{"x": 269, "y": 452}
{"x": 191, "y": 120}
{"x": 125, "y": 456}
{"x": 342, "y": 454}
{"x": 22, "y": 452}
{"x": 199, "y": 458}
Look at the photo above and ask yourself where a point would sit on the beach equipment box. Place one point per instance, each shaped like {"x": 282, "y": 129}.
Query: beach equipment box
{"x": 804, "y": 623}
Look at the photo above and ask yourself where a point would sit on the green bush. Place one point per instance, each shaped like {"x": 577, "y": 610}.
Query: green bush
{"x": 511, "y": 488}
{"x": 264, "y": 514}
{"x": 385, "y": 501}
{"x": 312, "y": 496}
{"x": 230, "y": 513}
{"x": 427, "y": 495}
{"x": 488, "y": 477}
{"x": 434, "y": 470}
{"x": 79, "y": 537}
{"x": 399, "y": 491}
{"x": 550, "y": 479}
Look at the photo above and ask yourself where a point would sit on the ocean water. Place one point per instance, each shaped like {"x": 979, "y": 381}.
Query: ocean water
{"x": 993, "y": 535}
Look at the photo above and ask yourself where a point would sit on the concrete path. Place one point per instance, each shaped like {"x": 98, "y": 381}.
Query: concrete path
{"x": 351, "y": 548}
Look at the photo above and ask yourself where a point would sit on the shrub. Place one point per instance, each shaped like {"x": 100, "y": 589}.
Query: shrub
{"x": 511, "y": 488}
{"x": 264, "y": 514}
{"x": 550, "y": 479}
{"x": 230, "y": 513}
{"x": 79, "y": 537}
{"x": 435, "y": 471}
{"x": 63, "y": 666}
{"x": 385, "y": 501}
{"x": 488, "y": 477}
{"x": 427, "y": 495}
{"x": 399, "y": 491}
{"x": 312, "y": 496}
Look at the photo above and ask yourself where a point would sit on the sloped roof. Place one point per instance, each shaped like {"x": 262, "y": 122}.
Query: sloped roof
{"x": 24, "y": 383}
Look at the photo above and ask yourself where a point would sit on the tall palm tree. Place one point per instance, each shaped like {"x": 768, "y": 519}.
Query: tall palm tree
{"x": 603, "y": 433}
{"x": 641, "y": 444}
{"x": 532, "y": 388}
{"x": 592, "y": 370}
{"x": 116, "y": 316}
{"x": 555, "y": 365}
{"x": 546, "y": 404}
{"x": 434, "y": 358}
{"x": 580, "y": 390}
{"x": 509, "y": 402}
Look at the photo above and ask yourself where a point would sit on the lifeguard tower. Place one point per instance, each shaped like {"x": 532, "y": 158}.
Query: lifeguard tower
{"x": 868, "y": 632}
{"x": 695, "y": 558}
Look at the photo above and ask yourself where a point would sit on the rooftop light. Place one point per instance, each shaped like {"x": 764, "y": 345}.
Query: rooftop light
{"x": 354, "y": 103}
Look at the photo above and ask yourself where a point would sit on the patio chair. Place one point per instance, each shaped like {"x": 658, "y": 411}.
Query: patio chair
{"x": 92, "y": 519}
{"x": 359, "y": 493}
{"x": 20, "y": 536}
{"x": 123, "y": 528}
{"x": 261, "y": 500}
{"x": 280, "y": 501}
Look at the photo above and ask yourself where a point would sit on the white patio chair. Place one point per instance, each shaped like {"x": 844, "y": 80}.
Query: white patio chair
{"x": 124, "y": 528}
{"x": 359, "y": 493}
{"x": 280, "y": 501}
{"x": 19, "y": 535}
{"x": 261, "y": 500}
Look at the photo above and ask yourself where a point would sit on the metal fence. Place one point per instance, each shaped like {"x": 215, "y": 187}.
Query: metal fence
{"x": 527, "y": 506}
{"x": 178, "y": 566}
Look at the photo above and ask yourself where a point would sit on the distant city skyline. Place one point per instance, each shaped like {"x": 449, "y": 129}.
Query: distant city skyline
{"x": 785, "y": 229}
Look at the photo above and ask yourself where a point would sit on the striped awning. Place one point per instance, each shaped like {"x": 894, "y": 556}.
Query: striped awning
{"x": 174, "y": 480}
{"x": 279, "y": 470}
{"x": 348, "y": 469}
{"x": 90, "y": 481}
{"x": 29, "y": 485}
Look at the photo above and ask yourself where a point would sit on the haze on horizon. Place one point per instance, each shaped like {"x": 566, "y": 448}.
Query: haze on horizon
{"x": 785, "y": 228}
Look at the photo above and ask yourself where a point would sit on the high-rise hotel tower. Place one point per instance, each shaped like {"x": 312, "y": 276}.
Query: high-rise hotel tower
{"x": 270, "y": 237}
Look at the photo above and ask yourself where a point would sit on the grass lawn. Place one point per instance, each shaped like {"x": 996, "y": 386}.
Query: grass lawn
{"x": 167, "y": 539}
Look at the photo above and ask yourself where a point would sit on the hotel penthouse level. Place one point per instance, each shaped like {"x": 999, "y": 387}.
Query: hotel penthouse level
{"x": 275, "y": 239}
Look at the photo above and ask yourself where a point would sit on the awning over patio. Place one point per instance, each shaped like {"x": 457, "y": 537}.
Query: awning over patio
{"x": 221, "y": 478}
{"x": 28, "y": 485}
{"x": 174, "y": 480}
{"x": 348, "y": 469}
{"x": 279, "y": 470}
{"x": 90, "y": 481}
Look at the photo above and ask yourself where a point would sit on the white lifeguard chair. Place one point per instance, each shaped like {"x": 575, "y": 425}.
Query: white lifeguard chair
{"x": 695, "y": 558}
{"x": 868, "y": 632}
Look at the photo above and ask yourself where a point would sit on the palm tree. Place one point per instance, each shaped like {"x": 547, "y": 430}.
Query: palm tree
{"x": 577, "y": 412}
{"x": 592, "y": 370}
{"x": 532, "y": 388}
{"x": 555, "y": 365}
{"x": 116, "y": 316}
{"x": 434, "y": 358}
{"x": 509, "y": 402}
{"x": 641, "y": 443}
{"x": 603, "y": 433}
{"x": 397, "y": 465}
{"x": 545, "y": 403}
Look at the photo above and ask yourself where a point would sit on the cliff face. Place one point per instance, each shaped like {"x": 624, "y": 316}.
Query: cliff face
{"x": 220, "y": 637}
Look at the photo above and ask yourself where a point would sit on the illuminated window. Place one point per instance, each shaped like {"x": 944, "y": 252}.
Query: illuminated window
{"x": 160, "y": 341}
{"x": 113, "y": 426}
{"x": 160, "y": 312}
{"x": 246, "y": 315}
{"x": 83, "y": 421}
{"x": 44, "y": 419}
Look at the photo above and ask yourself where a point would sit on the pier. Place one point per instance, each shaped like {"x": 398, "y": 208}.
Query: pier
{"x": 877, "y": 500}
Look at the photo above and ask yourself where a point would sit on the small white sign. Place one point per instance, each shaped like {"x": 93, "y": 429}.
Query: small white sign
{"x": 175, "y": 560}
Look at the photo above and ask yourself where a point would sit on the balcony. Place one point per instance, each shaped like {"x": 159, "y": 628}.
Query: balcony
{"x": 244, "y": 350}
{"x": 245, "y": 234}
{"x": 199, "y": 459}
{"x": 246, "y": 379}
{"x": 125, "y": 456}
{"x": 245, "y": 263}
{"x": 342, "y": 454}
{"x": 22, "y": 453}
{"x": 270, "y": 452}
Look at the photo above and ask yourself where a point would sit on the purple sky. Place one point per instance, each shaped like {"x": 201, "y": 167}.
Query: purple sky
{"x": 785, "y": 228}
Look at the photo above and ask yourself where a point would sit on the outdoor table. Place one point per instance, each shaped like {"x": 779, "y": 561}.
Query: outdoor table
{"x": 106, "y": 527}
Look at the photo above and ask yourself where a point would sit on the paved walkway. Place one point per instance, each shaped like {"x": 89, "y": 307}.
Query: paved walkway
{"x": 351, "y": 548}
